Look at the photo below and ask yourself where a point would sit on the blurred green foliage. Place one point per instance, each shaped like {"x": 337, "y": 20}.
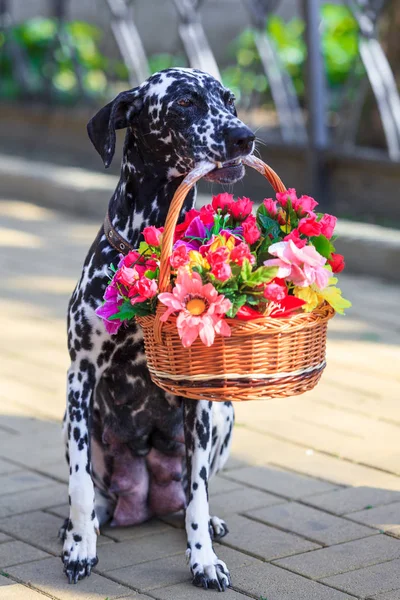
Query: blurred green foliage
{"x": 158, "y": 62}
{"x": 56, "y": 60}
{"x": 340, "y": 39}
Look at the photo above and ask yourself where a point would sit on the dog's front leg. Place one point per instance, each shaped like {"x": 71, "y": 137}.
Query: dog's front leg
{"x": 79, "y": 552}
{"x": 206, "y": 568}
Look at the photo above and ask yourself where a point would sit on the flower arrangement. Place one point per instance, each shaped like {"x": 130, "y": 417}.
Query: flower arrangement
{"x": 228, "y": 262}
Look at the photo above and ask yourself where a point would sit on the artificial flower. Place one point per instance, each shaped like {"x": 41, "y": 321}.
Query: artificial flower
{"x": 127, "y": 275}
{"x": 222, "y": 202}
{"x": 197, "y": 260}
{"x": 336, "y": 261}
{"x": 271, "y": 206}
{"x": 251, "y": 232}
{"x": 181, "y": 227}
{"x": 196, "y": 229}
{"x": 295, "y": 237}
{"x": 110, "y": 307}
{"x": 328, "y": 224}
{"x": 131, "y": 258}
{"x": 144, "y": 289}
{"x": 301, "y": 266}
{"x": 152, "y": 235}
{"x": 283, "y": 197}
{"x": 310, "y": 296}
{"x": 223, "y": 239}
{"x": 240, "y": 252}
{"x": 275, "y": 291}
{"x": 286, "y": 306}
{"x": 247, "y": 313}
{"x": 241, "y": 209}
{"x": 207, "y": 214}
{"x": 222, "y": 271}
{"x": 309, "y": 226}
{"x": 305, "y": 204}
{"x": 201, "y": 309}
{"x": 333, "y": 296}
{"x": 179, "y": 256}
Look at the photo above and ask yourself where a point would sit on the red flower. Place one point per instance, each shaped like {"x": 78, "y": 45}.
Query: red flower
{"x": 179, "y": 257}
{"x": 207, "y": 215}
{"x": 283, "y": 197}
{"x": 309, "y": 226}
{"x": 305, "y": 204}
{"x": 328, "y": 224}
{"x": 295, "y": 237}
{"x": 153, "y": 235}
{"x": 222, "y": 201}
{"x": 240, "y": 252}
{"x": 181, "y": 228}
{"x": 251, "y": 233}
{"x": 241, "y": 208}
{"x": 337, "y": 262}
{"x": 271, "y": 206}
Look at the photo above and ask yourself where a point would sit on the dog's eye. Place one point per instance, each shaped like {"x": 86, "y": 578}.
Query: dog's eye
{"x": 231, "y": 101}
{"x": 185, "y": 102}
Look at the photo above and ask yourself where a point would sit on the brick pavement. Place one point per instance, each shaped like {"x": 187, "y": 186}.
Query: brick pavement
{"x": 311, "y": 494}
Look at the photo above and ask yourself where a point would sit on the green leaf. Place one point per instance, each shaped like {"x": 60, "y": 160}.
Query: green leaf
{"x": 245, "y": 273}
{"x": 144, "y": 248}
{"x": 268, "y": 225}
{"x": 151, "y": 274}
{"x": 262, "y": 250}
{"x": 237, "y": 302}
{"x": 323, "y": 245}
{"x": 142, "y": 308}
{"x": 126, "y": 312}
{"x": 261, "y": 275}
{"x": 293, "y": 218}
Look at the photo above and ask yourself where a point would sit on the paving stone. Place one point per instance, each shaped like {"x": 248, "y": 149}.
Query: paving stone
{"x": 369, "y": 581}
{"x": 277, "y": 481}
{"x": 4, "y": 538}
{"x": 138, "y": 531}
{"x": 176, "y": 520}
{"x": 157, "y": 573}
{"x": 343, "y": 557}
{"x": 353, "y": 499}
{"x": 47, "y": 575}
{"x": 186, "y": 591}
{"x": 384, "y": 518}
{"x": 263, "y": 541}
{"x": 5, "y": 581}
{"x": 241, "y": 500}
{"x": 133, "y": 552}
{"x": 233, "y": 558}
{"x": 272, "y": 583}
{"x": 35, "y": 499}
{"x": 21, "y": 481}
{"x": 14, "y": 553}
{"x": 5, "y": 466}
{"x": 39, "y": 528}
{"x": 220, "y": 485}
{"x": 16, "y": 591}
{"x": 394, "y": 595}
{"x": 311, "y": 523}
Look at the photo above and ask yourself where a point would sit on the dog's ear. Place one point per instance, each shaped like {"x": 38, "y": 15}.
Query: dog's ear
{"x": 115, "y": 115}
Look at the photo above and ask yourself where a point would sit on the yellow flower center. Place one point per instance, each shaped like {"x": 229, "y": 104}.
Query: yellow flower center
{"x": 196, "y": 306}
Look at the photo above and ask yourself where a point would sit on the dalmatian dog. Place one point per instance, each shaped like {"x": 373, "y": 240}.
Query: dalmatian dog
{"x": 126, "y": 439}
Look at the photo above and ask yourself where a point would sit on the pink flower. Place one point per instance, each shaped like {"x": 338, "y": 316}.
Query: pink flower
{"x": 301, "y": 266}
{"x": 181, "y": 227}
{"x": 328, "y": 224}
{"x": 127, "y": 276}
{"x": 200, "y": 309}
{"x": 222, "y": 202}
{"x": 251, "y": 233}
{"x": 110, "y": 308}
{"x": 144, "y": 290}
{"x": 207, "y": 215}
{"x": 241, "y": 208}
{"x": 218, "y": 256}
{"x": 152, "y": 235}
{"x": 179, "y": 257}
{"x": 222, "y": 271}
{"x": 305, "y": 204}
{"x": 295, "y": 237}
{"x": 283, "y": 197}
{"x": 310, "y": 226}
{"x": 271, "y": 206}
{"x": 275, "y": 291}
{"x": 132, "y": 257}
{"x": 240, "y": 252}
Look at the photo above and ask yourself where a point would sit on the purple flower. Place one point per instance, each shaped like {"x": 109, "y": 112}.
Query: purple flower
{"x": 196, "y": 229}
{"x": 110, "y": 308}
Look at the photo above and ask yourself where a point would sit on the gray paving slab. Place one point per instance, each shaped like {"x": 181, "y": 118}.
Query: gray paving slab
{"x": 35, "y": 499}
{"x": 267, "y": 581}
{"x": 5, "y": 465}
{"x": 241, "y": 500}
{"x": 5, "y": 581}
{"x": 311, "y": 523}
{"x": 262, "y": 541}
{"x": 343, "y": 557}
{"x": 368, "y": 581}
{"x": 40, "y": 529}
{"x": 20, "y": 481}
{"x": 221, "y": 485}
{"x": 394, "y": 595}
{"x": 384, "y": 518}
{"x": 280, "y": 482}
{"x": 186, "y": 591}
{"x": 47, "y": 576}
{"x": 155, "y": 526}
{"x": 14, "y": 553}
{"x": 133, "y": 552}
{"x": 155, "y": 574}
{"x": 4, "y": 538}
{"x": 16, "y": 591}
{"x": 352, "y": 499}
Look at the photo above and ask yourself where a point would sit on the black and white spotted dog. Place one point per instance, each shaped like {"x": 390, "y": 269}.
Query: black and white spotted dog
{"x": 126, "y": 439}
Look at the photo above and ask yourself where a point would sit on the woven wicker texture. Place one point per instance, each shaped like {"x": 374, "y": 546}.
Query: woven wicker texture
{"x": 263, "y": 358}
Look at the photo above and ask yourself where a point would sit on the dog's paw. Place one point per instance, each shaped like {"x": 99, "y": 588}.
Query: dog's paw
{"x": 208, "y": 572}
{"x": 79, "y": 552}
{"x": 218, "y": 528}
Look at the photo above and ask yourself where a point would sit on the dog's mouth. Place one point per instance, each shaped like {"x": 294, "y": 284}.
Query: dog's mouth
{"x": 227, "y": 172}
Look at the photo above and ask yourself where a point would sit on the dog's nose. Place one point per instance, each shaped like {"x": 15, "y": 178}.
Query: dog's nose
{"x": 239, "y": 141}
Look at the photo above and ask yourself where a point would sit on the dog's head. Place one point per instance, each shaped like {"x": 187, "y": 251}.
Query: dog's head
{"x": 178, "y": 118}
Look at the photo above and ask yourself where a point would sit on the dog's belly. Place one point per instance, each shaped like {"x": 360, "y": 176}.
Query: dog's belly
{"x": 138, "y": 453}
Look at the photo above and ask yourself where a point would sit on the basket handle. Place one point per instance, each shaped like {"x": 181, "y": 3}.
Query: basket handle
{"x": 179, "y": 198}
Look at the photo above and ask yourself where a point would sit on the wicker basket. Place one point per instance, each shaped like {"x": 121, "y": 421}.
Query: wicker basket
{"x": 263, "y": 358}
